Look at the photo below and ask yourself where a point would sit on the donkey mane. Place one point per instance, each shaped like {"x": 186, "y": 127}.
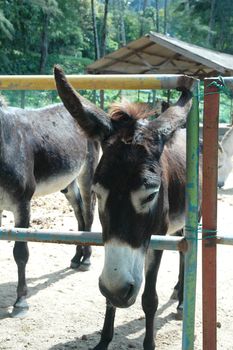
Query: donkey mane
{"x": 130, "y": 110}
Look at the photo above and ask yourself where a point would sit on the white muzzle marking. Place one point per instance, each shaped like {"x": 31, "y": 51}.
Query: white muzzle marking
{"x": 123, "y": 264}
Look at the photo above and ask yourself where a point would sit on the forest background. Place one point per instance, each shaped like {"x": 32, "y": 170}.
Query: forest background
{"x": 36, "y": 34}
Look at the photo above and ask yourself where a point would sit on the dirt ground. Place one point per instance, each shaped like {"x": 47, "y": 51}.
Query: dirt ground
{"x": 66, "y": 307}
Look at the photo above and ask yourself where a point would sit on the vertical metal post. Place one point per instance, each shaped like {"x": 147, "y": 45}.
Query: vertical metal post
{"x": 191, "y": 223}
{"x": 209, "y": 214}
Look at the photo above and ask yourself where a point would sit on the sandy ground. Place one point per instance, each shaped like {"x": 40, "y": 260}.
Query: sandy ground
{"x": 66, "y": 307}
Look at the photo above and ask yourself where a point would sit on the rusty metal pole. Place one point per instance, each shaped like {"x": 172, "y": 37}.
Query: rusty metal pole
{"x": 209, "y": 213}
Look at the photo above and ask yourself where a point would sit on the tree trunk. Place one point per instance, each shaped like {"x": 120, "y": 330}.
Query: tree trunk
{"x": 104, "y": 29}
{"x": 165, "y": 17}
{"x": 44, "y": 43}
{"x": 102, "y": 99}
{"x": 157, "y": 15}
{"x": 211, "y": 22}
{"x": 96, "y": 41}
{"x": 122, "y": 24}
{"x": 103, "y": 45}
{"x": 153, "y": 98}
{"x": 222, "y": 29}
{"x": 22, "y": 98}
{"x": 143, "y": 16}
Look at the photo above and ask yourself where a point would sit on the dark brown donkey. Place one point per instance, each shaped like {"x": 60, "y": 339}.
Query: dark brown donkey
{"x": 43, "y": 151}
{"x": 140, "y": 185}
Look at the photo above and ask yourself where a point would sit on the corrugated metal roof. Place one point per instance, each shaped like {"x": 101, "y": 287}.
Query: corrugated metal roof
{"x": 159, "y": 54}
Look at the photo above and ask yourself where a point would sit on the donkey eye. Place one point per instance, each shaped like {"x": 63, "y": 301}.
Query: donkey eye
{"x": 98, "y": 196}
{"x": 95, "y": 189}
{"x": 149, "y": 198}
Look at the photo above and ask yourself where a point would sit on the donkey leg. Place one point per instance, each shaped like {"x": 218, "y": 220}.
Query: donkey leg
{"x": 150, "y": 297}
{"x": 21, "y": 255}
{"x": 88, "y": 198}
{"x": 73, "y": 195}
{"x": 180, "y": 291}
{"x": 1, "y": 217}
{"x": 108, "y": 327}
{"x": 85, "y": 179}
{"x": 175, "y": 292}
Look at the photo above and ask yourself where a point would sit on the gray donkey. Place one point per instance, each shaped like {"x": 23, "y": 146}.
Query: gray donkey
{"x": 43, "y": 151}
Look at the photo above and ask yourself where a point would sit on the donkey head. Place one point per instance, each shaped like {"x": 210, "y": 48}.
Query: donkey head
{"x": 128, "y": 183}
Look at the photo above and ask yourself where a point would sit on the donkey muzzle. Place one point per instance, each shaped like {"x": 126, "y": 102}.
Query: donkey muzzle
{"x": 122, "y": 297}
{"x": 121, "y": 277}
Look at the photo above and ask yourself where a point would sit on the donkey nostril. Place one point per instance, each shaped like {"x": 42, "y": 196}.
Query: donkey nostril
{"x": 127, "y": 291}
{"x": 130, "y": 292}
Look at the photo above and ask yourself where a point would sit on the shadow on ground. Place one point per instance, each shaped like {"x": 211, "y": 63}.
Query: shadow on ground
{"x": 8, "y": 290}
{"x": 122, "y": 333}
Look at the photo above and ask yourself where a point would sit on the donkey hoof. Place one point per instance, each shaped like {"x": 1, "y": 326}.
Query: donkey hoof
{"x": 174, "y": 295}
{"x": 20, "y": 308}
{"x": 100, "y": 346}
{"x": 74, "y": 264}
{"x": 85, "y": 266}
{"x": 19, "y": 312}
{"x": 179, "y": 314}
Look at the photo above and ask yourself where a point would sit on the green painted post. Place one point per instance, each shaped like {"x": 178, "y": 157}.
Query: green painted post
{"x": 191, "y": 223}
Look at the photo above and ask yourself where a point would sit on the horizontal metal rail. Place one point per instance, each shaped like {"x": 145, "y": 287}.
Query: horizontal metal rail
{"x": 228, "y": 81}
{"x": 94, "y": 238}
{"x": 224, "y": 240}
{"x": 83, "y": 238}
{"x": 95, "y": 82}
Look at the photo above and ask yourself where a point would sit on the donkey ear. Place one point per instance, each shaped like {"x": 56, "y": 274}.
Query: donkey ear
{"x": 92, "y": 120}
{"x": 174, "y": 117}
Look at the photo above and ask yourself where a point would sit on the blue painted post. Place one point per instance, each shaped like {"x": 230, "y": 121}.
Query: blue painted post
{"x": 191, "y": 224}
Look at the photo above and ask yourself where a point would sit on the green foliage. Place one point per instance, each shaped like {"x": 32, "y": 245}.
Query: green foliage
{"x": 6, "y": 28}
{"x": 70, "y": 38}
{"x": 190, "y": 20}
{"x": 72, "y": 64}
{"x": 70, "y": 31}
{"x": 47, "y": 6}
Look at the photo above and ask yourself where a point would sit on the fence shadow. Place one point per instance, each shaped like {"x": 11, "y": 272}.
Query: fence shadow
{"x": 8, "y": 290}
{"x": 226, "y": 191}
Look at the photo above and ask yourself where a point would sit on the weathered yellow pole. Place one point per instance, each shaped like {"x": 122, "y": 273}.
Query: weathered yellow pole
{"x": 93, "y": 82}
